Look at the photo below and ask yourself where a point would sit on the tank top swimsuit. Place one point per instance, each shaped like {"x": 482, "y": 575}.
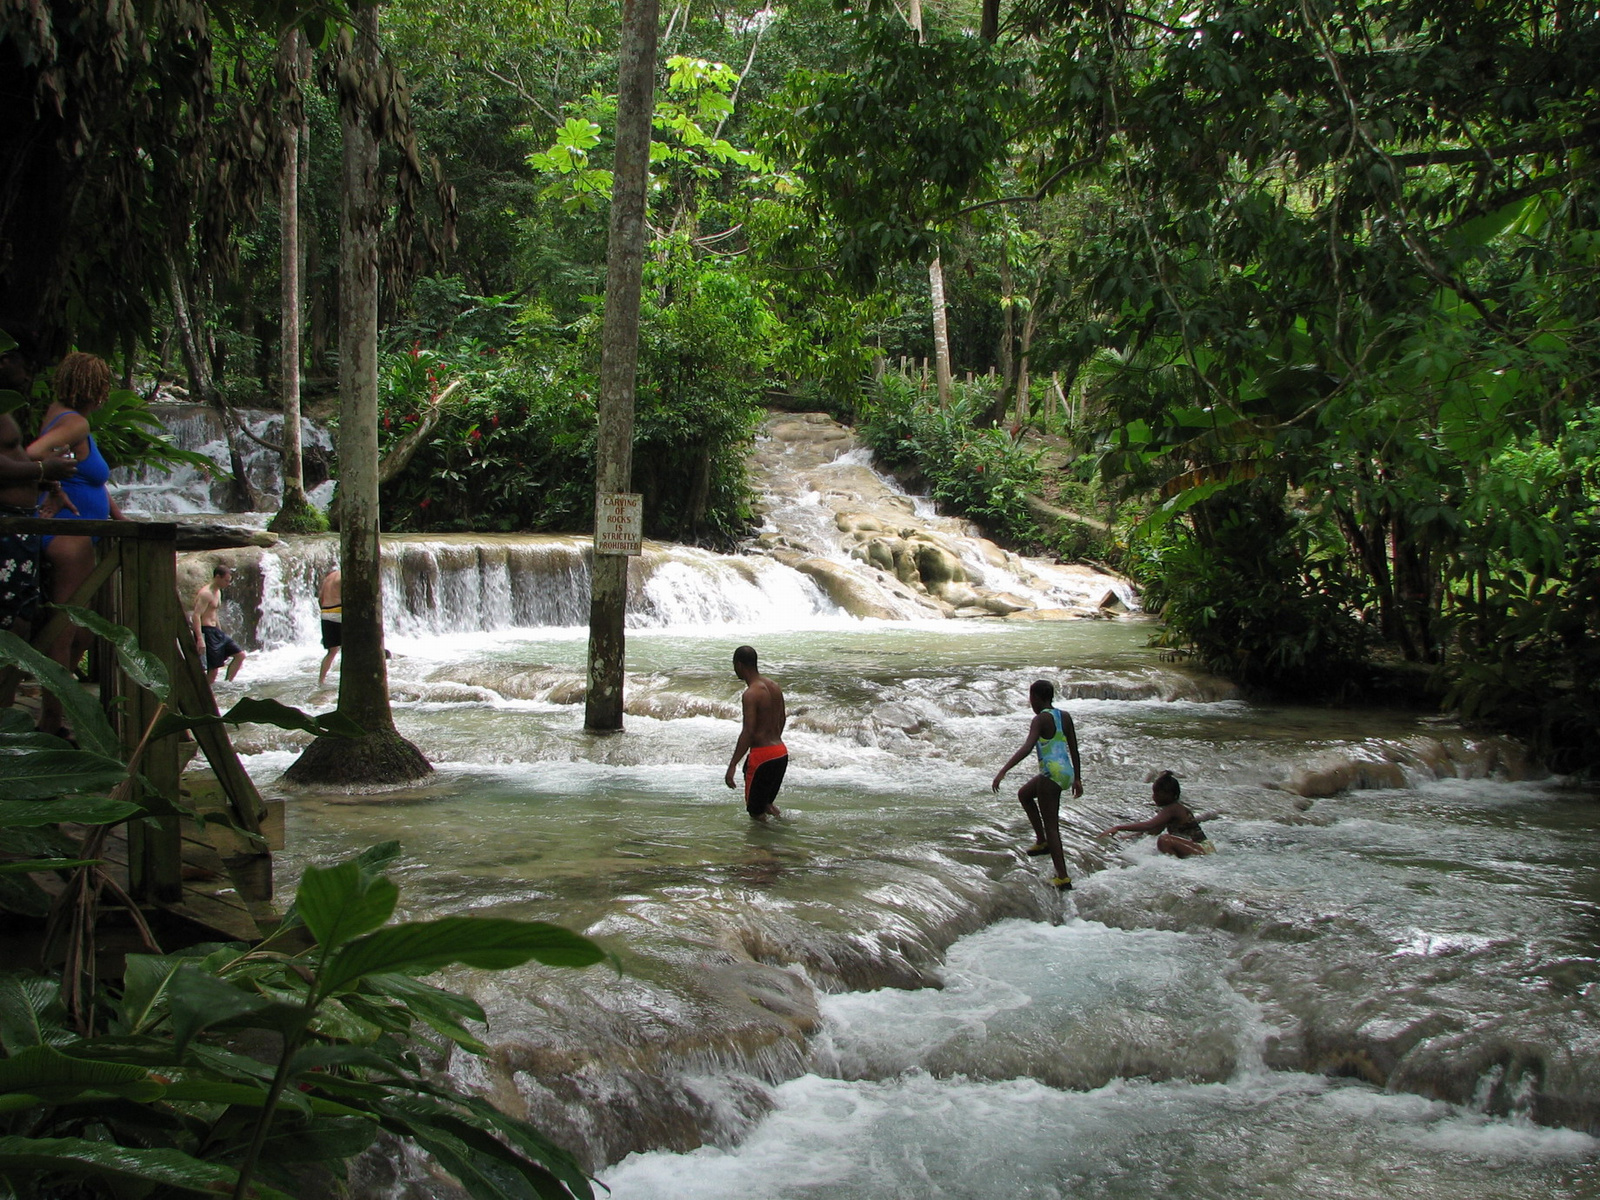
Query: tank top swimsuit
{"x": 1055, "y": 756}
{"x": 86, "y": 488}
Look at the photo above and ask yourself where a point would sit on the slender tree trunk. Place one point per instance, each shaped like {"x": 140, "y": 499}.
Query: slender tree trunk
{"x": 1023, "y": 383}
{"x": 295, "y": 514}
{"x": 197, "y": 362}
{"x": 381, "y": 755}
{"x": 941, "y": 317}
{"x": 619, "y": 350}
{"x": 941, "y": 330}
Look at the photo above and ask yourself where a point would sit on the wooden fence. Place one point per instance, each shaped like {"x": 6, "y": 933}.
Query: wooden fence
{"x": 135, "y": 584}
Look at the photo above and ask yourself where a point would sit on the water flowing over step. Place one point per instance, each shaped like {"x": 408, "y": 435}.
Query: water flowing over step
{"x": 840, "y": 540}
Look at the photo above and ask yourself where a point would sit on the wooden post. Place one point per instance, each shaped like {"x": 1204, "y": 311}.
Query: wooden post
{"x": 148, "y": 599}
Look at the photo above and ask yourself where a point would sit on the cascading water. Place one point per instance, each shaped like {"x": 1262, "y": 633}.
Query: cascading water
{"x": 186, "y": 491}
{"x": 1384, "y": 984}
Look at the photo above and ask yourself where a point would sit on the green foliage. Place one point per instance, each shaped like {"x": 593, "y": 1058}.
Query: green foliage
{"x": 172, "y": 1096}
{"x": 982, "y": 473}
{"x": 1249, "y": 600}
{"x": 514, "y": 445}
{"x": 231, "y": 1068}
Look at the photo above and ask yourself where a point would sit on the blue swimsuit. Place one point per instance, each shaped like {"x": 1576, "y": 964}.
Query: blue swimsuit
{"x": 86, "y": 488}
{"x": 1055, "y": 756}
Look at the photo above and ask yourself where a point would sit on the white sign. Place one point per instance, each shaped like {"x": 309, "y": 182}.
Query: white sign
{"x": 619, "y": 523}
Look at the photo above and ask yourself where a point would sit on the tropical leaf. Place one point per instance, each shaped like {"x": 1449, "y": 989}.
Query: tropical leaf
{"x": 89, "y": 724}
{"x": 36, "y": 774}
{"x": 343, "y": 902}
{"x": 143, "y": 667}
{"x": 31, "y": 1013}
{"x": 86, "y": 810}
{"x": 493, "y": 943}
{"x": 45, "y": 1072}
{"x": 79, "y": 1157}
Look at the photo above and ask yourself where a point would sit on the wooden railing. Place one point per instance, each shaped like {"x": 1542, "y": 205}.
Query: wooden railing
{"x": 135, "y": 584}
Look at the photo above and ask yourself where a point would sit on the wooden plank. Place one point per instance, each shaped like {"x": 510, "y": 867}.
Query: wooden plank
{"x": 127, "y": 531}
{"x": 193, "y": 696}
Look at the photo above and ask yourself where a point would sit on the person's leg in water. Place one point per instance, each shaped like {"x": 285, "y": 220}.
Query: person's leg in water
{"x": 1041, "y": 800}
{"x": 1179, "y": 847}
{"x": 1027, "y": 797}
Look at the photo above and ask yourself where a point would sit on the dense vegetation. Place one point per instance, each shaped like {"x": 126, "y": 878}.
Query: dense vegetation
{"x": 1309, "y": 283}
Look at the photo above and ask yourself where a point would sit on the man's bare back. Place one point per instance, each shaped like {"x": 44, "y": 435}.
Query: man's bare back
{"x": 760, "y": 736}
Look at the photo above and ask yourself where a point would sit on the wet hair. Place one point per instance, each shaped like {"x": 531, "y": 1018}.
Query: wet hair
{"x": 221, "y": 569}
{"x": 1042, "y": 690}
{"x": 1166, "y": 784}
{"x": 82, "y": 381}
{"x": 745, "y": 656}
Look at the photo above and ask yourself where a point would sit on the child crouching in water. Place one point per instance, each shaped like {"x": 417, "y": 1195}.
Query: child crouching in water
{"x": 1180, "y": 832}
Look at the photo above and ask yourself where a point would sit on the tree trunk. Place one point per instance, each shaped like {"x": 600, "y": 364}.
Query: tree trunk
{"x": 381, "y": 755}
{"x": 941, "y": 330}
{"x": 1023, "y": 383}
{"x": 295, "y": 513}
{"x": 941, "y": 319}
{"x": 202, "y": 387}
{"x": 619, "y": 350}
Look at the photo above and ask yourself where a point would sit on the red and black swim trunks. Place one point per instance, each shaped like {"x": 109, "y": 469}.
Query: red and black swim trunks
{"x": 763, "y": 776}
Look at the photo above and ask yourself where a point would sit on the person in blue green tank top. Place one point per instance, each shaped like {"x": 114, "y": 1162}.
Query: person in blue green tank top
{"x": 1053, "y": 736}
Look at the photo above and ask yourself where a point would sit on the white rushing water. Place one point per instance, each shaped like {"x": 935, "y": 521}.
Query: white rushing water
{"x": 1382, "y": 985}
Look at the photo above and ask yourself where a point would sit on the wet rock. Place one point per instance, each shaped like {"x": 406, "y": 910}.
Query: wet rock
{"x": 845, "y": 588}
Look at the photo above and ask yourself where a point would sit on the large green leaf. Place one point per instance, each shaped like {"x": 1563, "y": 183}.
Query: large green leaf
{"x": 79, "y": 1157}
{"x": 89, "y": 724}
{"x": 198, "y": 1001}
{"x": 29, "y": 865}
{"x": 31, "y": 1013}
{"x": 144, "y": 668}
{"x": 257, "y": 711}
{"x": 487, "y": 1166}
{"x": 441, "y": 1010}
{"x": 85, "y": 810}
{"x": 343, "y": 902}
{"x": 35, "y": 774}
{"x": 45, "y": 1072}
{"x": 494, "y": 943}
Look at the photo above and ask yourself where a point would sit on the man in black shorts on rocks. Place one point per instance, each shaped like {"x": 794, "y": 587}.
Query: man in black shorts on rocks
{"x": 215, "y": 646}
{"x": 761, "y": 737}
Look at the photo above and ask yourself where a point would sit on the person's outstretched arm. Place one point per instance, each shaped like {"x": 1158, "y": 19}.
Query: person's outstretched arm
{"x": 1154, "y": 825}
{"x": 1027, "y": 749}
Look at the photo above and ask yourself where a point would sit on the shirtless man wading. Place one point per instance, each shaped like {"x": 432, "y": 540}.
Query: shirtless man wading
{"x": 215, "y": 646}
{"x": 761, "y": 738}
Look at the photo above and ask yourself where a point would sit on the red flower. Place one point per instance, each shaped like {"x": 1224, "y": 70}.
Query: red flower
{"x": 412, "y": 417}
{"x": 416, "y": 349}
{"x": 496, "y": 420}
{"x": 387, "y": 423}
{"x": 980, "y": 468}
{"x": 475, "y": 435}
{"x": 423, "y": 503}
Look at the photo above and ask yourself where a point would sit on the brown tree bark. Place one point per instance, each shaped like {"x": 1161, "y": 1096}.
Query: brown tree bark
{"x": 619, "y": 351}
{"x": 295, "y": 513}
{"x": 381, "y": 755}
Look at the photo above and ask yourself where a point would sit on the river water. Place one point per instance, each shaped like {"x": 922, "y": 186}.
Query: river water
{"x": 1382, "y": 985}
{"x": 1388, "y": 991}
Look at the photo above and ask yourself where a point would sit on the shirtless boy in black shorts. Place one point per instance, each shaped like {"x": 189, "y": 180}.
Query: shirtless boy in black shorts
{"x": 761, "y": 736}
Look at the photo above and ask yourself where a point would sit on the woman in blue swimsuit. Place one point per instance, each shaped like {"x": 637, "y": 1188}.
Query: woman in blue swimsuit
{"x": 82, "y": 384}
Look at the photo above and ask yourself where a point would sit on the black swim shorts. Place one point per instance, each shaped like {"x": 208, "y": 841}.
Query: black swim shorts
{"x": 332, "y": 634}
{"x": 219, "y": 647}
{"x": 761, "y": 785}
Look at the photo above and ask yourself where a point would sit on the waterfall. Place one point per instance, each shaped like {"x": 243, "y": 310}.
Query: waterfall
{"x": 467, "y": 583}
{"x": 184, "y": 490}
